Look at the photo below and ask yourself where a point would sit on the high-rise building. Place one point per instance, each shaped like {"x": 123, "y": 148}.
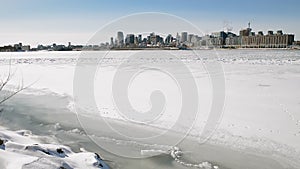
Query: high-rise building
{"x": 129, "y": 39}
{"x": 189, "y": 38}
{"x": 155, "y": 39}
{"x": 111, "y": 41}
{"x": 218, "y": 38}
{"x": 169, "y": 39}
{"x": 140, "y": 38}
{"x": 245, "y": 32}
{"x": 183, "y": 37}
{"x": 120, "y": 38}
{"x": 177, "y": 39}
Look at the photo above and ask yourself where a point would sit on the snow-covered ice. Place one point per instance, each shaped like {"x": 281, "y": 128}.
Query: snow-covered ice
{"x": 259, "y": 126}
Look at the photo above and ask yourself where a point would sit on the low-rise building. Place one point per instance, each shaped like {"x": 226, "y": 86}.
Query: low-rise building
{"x": 25, "y": 48}
{"x": 8, "y": 48}
{"x": 271, "y": 40}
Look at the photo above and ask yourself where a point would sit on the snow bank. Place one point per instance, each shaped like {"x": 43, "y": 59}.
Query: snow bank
{"x": 21, "y": 149}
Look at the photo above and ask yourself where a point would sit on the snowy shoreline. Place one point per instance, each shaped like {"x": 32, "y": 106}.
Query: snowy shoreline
{"x": 21, "y": 149}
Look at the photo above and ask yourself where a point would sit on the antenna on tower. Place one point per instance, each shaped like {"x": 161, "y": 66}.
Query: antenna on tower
{"x": 249, "y": 25}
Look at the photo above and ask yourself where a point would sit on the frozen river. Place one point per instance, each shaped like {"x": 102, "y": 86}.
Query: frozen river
{"x": 259, "y": 126}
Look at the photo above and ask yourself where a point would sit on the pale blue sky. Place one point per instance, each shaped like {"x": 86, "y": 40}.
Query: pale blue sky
{"x": 47, "y": 21}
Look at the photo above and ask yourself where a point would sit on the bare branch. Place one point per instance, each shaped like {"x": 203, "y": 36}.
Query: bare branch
{"x": 19, "y": 88}
{"x": 8, "y": 77}
{"x": 16, "y": 92}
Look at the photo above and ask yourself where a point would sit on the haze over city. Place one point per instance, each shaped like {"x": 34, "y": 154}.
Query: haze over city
{"x": 45, "y": 22}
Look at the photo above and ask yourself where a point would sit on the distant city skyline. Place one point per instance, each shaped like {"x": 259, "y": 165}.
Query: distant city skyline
{"x": 221, "y": 39}
{"x": 36, "y": 22}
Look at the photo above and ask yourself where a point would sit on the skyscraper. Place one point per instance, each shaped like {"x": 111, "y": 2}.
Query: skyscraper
{"x": 169, "y": 39}
{"x": 189, "y": 38}
{"x": 111, "y": 41}
{"x": 140, "y": 38}
{"x": 129, "y": 39}
{"x": 120, "y": 38}
{"x": 183, "y": 37}
{"x": 177, "y": 39}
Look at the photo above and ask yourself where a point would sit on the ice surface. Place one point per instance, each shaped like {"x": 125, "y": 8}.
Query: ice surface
{"x": 260, "y": 120}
